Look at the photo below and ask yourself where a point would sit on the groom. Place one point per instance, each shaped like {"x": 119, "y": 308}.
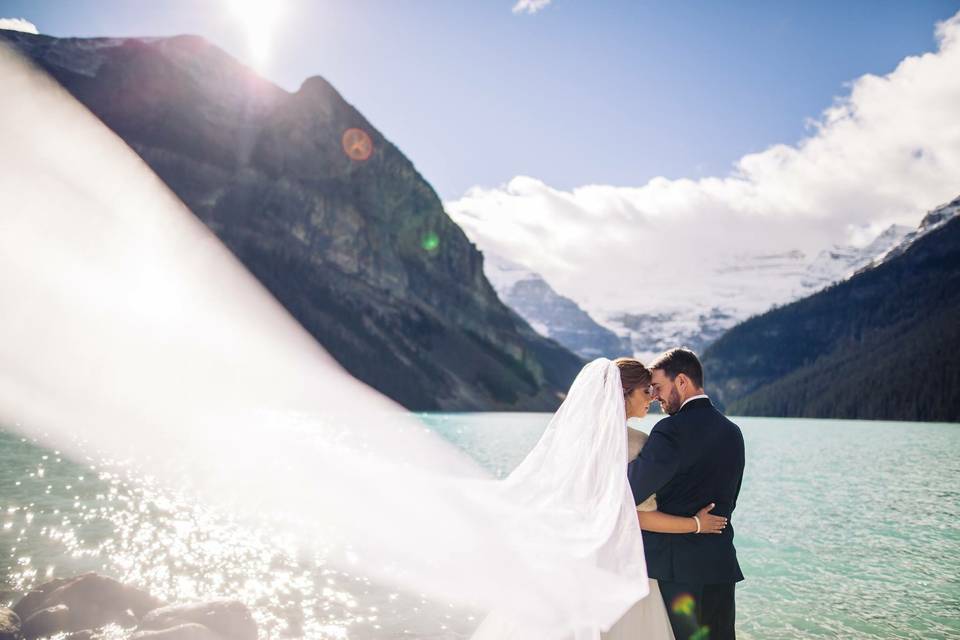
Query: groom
{"x": 693, "y": 457}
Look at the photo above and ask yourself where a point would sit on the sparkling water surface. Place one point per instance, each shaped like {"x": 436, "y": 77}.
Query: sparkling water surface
{"x": 844, "y": 529}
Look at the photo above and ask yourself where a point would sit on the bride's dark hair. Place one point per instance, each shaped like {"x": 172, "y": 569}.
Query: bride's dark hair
{"x": 633, "y": 375}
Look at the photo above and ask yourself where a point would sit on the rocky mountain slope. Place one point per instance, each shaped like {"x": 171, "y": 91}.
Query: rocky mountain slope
{"x": 880, "y": 345}
{"x": 549, "y": 313}
{"x": 330, "y": 216}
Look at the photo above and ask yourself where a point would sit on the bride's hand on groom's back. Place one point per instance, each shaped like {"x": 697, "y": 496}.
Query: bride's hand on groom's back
{"x": 710, "y": 523}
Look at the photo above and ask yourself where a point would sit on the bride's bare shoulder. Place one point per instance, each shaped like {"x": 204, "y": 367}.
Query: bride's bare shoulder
{"x": 635, "y": 441}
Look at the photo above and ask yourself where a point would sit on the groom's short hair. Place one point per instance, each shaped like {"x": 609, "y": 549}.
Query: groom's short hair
{"x": 680, "y": 360}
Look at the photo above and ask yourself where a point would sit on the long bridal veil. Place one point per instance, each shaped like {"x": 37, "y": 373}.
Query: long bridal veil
{"x": 128, "y": 330}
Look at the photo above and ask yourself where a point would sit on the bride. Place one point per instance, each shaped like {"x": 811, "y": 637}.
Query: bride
{"x": 578, "y": 470}
{"x": 648, "y": 617}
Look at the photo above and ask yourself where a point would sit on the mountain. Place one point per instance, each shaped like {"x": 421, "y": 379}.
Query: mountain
{"x": 648, "y": 334}
{"x": 329, "y": 215}
{"x": 881, "y": 345}
{"x": 736, "y": 289}
{"x": 931, "y": 222}
{"x": 839, "y": 262}
{"x": 549, "y": 313}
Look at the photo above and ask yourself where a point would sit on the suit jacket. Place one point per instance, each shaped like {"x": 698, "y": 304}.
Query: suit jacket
{"x": 691, "y": 459}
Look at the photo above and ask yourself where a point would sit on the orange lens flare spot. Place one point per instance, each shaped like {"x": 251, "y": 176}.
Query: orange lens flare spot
{"x": 357, "y": 144}
{"x": 683, "y": 604}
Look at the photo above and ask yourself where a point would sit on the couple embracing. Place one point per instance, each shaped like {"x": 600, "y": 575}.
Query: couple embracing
{"x": 650, "y": 512}
{"x": 691, "y": 463}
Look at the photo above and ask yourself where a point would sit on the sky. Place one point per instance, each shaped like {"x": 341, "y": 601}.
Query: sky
{"x": 883, "y": 151}
{"x": 602, "y": 142}
{"x": 576, "y": 92}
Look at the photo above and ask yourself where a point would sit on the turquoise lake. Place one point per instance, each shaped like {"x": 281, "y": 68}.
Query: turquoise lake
{"x": 844, "y": 529}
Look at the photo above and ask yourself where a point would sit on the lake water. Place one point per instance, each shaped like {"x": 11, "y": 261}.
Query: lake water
{"x": 844, "y": 529}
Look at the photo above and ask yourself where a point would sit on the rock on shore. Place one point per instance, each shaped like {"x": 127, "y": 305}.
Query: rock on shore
{"x": 83, "y": 606}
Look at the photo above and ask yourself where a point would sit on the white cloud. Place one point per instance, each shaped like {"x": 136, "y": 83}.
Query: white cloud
{"x": 18, "y": 24}
{"x": 530, "y": 6}
{"x": 883, "y": 154}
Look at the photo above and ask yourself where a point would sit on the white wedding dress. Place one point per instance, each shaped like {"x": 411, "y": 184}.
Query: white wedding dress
{"x": 647, "y": 618}
{"x": 574, "y": 482}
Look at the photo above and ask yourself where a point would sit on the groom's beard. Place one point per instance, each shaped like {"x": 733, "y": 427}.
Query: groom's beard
{"x": 672, "y": 404}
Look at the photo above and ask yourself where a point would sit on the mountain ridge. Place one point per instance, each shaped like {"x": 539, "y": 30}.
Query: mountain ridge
{"x": 360, "y": 252}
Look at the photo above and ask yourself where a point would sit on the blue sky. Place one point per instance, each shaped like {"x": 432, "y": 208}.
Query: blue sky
{"x": 581, "y": 92}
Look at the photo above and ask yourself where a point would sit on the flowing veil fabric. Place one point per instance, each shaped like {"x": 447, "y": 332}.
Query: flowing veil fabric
{"x": 130, "y": 331}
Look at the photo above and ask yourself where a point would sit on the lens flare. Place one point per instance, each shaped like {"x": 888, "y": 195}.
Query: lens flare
{"x": 357, "y": 144}
{"x": 684, "y": 604}
{"x": 430, "y": 242}
{"x": 701, "y": 634}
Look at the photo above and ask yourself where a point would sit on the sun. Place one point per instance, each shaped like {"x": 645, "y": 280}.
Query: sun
{"x": 259, "y": 21}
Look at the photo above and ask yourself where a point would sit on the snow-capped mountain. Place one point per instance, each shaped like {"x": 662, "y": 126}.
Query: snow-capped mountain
{"x": 549, "y": 313}
{"x": 652, "y": 333}
{"x": 839, "y": 262}
{"x": 934, "y": 219}
{"x": 743, "y": 286}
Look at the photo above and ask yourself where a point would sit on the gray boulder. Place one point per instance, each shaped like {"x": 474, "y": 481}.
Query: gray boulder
{"x": 186, "y": 631}
{"x": 35, "y": 598}
{"x": 81, "y": 603}
{"x": 48, "y": 621}
{"x": 86, "y": 601}
{"x": 101, "y": 600}
{"x": 9, "y": 624}
{"x": 228, "y": 618}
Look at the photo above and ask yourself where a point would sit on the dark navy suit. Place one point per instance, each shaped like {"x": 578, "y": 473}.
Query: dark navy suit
{"x": 691, "y": 459}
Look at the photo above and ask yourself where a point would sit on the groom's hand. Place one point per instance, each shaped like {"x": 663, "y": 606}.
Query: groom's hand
{"x": 710, "y": 523}
{"x": 656, "y": 465}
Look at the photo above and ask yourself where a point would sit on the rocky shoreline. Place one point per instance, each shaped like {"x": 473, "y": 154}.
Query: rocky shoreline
{"x": 85, "y": 607}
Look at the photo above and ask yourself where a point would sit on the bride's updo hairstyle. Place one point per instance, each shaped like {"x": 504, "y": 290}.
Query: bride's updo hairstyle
{"x": 633, "y": 375}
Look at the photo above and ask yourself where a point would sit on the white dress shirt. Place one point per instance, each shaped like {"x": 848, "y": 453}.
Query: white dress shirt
{"x": 702, "y": 395}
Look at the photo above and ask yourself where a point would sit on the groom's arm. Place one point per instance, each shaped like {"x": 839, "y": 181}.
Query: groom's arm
{"x": 656, "y": 465}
